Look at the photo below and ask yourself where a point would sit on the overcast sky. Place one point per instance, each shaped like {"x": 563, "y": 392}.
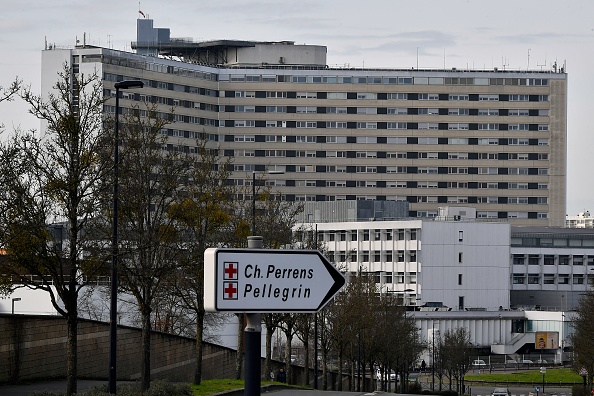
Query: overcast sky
{"x": 478, "y": 34}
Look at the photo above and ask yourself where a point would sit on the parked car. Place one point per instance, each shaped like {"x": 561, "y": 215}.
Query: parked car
{"x": 510, "y": 361}
{"x": 542, "y": 361}
{"x": 378, "y": 375}
{"x": 501, "y": 392}
{"x": 479, "y": 363}
{"x": 527, "y": 361}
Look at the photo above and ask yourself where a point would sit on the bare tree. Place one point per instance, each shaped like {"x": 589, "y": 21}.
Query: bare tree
{"x": 152, "y": 180}
{"x": 581, "y": 339}
{"x": 456, "y": 352}
{"x": 55, "y": 176}
{"x": 203, "y": 213}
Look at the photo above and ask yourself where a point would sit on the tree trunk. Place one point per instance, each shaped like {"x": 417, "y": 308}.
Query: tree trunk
{"x": 324, "y": 370}
{"x": 306, "y": 344}
{"x": 239, "y": 359}
{"x": 288, "y": 348}
{"x": 340, "y": 371}
{"x": 268, "y": 363}
{"x": 71, "y": 353}
{"x": 145, "y": 366}
{"x": 199, "y": 347}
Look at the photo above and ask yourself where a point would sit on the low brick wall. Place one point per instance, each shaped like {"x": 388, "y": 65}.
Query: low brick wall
{"x": 34, "y": 348}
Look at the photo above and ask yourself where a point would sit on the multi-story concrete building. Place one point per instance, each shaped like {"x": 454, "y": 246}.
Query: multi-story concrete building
{"x": 491, "y": 139}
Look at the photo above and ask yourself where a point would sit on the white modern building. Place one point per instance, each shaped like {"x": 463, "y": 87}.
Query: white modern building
{"x": 503, "y": 283}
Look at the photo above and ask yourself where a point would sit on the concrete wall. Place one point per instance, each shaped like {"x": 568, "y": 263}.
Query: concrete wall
{"x": 34, "y": 348}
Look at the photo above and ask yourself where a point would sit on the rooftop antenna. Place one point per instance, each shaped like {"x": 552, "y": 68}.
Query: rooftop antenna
{"x": 417, "y": 58}
{"x": 528, "y": 59}
{"x": 444, "y": 58}
{"x": 504, "y": 62}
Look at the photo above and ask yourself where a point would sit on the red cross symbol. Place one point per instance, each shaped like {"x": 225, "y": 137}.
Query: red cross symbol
{"x": 230, "y": 271}
{"x": 229, "y": 290}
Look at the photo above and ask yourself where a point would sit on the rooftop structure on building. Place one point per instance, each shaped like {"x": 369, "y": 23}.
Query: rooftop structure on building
{"x": 493, "y": 140}
{"x": 228, "y": 53}
{"x": 582, "y": 220}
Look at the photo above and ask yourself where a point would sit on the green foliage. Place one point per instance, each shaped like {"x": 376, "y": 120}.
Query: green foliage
{"x": 553, "y": 375}
{"x": 415, "y": 388}
{"x": 157, "y": 388}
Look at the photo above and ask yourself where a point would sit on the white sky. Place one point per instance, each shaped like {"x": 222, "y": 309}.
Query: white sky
{"x": 374, "y": 33}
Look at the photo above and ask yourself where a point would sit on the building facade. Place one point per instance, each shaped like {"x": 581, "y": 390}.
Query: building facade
{"x": 491, "y": 139}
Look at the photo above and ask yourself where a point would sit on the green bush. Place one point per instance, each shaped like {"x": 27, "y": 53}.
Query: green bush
{"x": 415, "y": 388}
{"x": 580, "y": 390}
{"x": 448, "y": 393}
{"x": 158, "y": 388}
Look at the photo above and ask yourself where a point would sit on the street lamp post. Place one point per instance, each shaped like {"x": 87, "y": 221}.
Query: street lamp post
{"x": 13, "y": 300}
{"x": 543, "y": 371}
{"x": 113, "y": 315}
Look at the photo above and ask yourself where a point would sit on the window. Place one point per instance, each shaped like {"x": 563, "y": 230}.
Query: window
{"x": 394, "y": 96}
{"x": 366, "y": 110}
{"x": 533, "y": 279}
{"x": 459, "y": 279}
{"x": 548, "y": 279}
{"x": 460, "y": 236}
{"x": 336, "y": 95}
{"x": 493, "y": 98}
{"x": 578, "y": 279}
{"x": 457, "y": 97}
{"x": 273, "y": 94}
{"x": 533, "y": 259}
{"x": 460, "y": 257}
{"x": 306, "y": 109}
{"x": 549, "y": 259}
{"x": 518, "y": 279}
{"x": 366, "y": 95}
{"x": 488, "y": 112}
{"x": 455, "y": 111}
{"x": 518, "y": 259}
{"x": 310, "y": 95}
{"x": 336, "y": 110}
{"x": 337, "y": 125}
{"x": 563, "y": 279}
{"x": 457, "y": 126}
{"x": 428, "y": 96}
{"x": 397, "y": 125}
{"x": 518, "y": 98}
{"x": 563, "y": 260}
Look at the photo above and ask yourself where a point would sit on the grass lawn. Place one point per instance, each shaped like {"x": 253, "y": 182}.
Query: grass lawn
{"x": 552, "y": 376}
{"x": 209, "y": 387}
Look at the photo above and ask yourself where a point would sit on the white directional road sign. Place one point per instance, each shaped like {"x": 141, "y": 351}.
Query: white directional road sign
{"x": 265, "y": 280}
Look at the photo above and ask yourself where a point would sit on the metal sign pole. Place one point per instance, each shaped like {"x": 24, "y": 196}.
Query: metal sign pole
{"x": 253, "y": 341}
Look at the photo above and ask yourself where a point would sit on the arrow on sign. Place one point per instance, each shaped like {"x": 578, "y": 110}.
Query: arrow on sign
{"x": 264, "y": 280}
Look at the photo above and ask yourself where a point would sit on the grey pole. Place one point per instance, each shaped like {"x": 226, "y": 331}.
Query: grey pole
{"x": 113, "y": 314}
{"x": 253, "y": 341}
